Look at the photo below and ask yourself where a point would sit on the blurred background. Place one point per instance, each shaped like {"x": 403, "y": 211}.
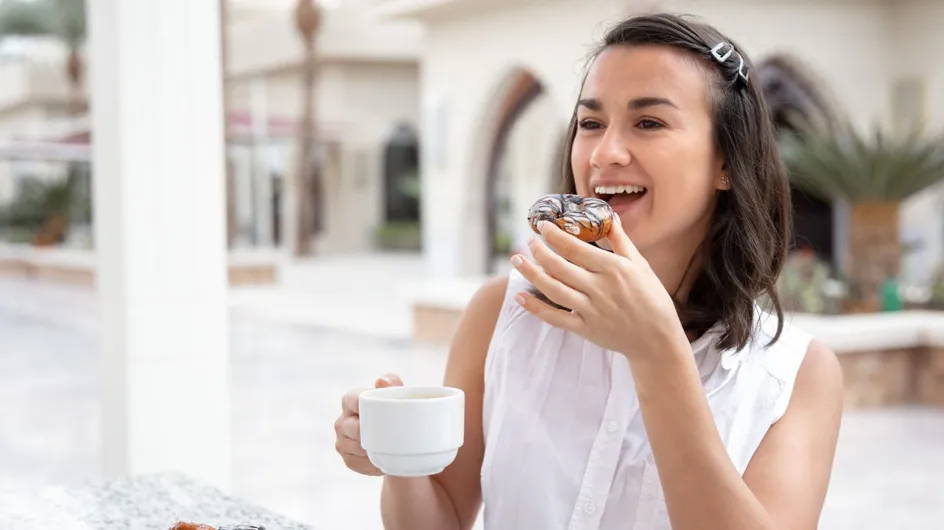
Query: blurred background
{"x": 216, "y": 217}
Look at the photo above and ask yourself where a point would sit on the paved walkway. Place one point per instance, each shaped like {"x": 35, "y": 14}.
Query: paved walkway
{"x": 363, "y": 293}
{"x": 287, "y": 383}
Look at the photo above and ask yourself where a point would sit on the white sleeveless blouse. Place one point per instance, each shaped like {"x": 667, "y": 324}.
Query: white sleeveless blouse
{"x": 565, "y": 444}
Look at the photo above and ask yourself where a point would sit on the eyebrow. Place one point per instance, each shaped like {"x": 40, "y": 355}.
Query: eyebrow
{"x": 634, "y": 104}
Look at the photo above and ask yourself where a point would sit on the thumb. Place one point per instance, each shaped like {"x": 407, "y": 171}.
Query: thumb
{"x": 620, "y": 242}
{"x": 388, "y": 380}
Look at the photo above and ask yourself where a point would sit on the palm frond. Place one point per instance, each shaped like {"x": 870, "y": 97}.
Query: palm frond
{"x": 63, "y": 19}
{"x": 21, "y": 18}
{"x": 846, "y": 164}
{"x": 72, "y": 20}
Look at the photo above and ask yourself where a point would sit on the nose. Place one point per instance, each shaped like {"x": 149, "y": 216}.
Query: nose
{"x": 613, "y": 149}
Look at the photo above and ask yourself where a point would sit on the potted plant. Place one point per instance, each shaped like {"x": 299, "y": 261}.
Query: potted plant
{"x": 873, "y": 175}
{"x": 804, "y": 284}
{"x": 937, "y": 289}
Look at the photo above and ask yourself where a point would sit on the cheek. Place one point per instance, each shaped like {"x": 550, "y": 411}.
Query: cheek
{"x": 685, "y": 196}
{"x": 580, "y": 164}
{"x": 684, "y": 183}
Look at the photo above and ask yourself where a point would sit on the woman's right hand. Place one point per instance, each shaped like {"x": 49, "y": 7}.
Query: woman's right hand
{"x": 347, "y": 429}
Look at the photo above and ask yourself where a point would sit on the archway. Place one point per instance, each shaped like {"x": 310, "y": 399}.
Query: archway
{"x": 518, "y": 159}
{"x": 401, "y": 176}
{"x": 797, "y": 100}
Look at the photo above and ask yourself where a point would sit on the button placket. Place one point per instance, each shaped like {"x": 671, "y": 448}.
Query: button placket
{"x": 604, "y": 454}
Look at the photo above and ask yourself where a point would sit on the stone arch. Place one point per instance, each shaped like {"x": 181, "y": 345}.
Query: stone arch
{"x": 515, "y": 93}
{"x": 401, "y": 175}
{"x": 799, "y": 101}
{"x": 797, "y": 96}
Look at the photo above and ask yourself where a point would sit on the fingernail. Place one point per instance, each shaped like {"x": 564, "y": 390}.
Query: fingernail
{"x": 542, "y": 225}
{"x": 516, "y": 261}
{"x": 386, "y": 380}
{"x": 521, "y": 299}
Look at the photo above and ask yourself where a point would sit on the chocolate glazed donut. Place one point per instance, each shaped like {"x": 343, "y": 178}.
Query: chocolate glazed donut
{"x": 586, "y": 218}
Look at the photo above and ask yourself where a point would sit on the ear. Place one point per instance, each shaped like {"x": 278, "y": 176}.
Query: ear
{"x": 722, "y": 181}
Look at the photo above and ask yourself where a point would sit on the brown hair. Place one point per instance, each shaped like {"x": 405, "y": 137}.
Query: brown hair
{"x": 750, "y": 230}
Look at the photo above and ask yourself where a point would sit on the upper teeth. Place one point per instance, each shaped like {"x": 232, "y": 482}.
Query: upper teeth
{"x": 613, "y": 190}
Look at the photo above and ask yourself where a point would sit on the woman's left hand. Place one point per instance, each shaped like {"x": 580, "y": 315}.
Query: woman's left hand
{"x": 617, "y": 301}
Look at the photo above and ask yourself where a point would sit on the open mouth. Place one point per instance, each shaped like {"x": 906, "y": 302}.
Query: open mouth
{"x": 619, "y": 194}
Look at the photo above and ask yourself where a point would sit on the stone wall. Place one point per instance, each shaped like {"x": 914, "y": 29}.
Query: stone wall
{"x": 930, "y": 376}
{"x": 78, "y": 267}
{"x": 894, "y": 377}
{"x": 912, "y": 373}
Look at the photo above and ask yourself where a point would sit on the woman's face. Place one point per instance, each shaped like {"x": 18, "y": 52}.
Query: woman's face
{"x": 645, "y": 143}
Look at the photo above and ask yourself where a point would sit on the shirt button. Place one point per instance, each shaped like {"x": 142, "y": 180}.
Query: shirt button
{"x": 590, "y": 508}
{"x": 612, "y": 426}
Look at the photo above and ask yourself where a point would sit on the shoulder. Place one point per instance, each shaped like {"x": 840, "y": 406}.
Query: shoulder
{"x": 486, "y": 304}
{"x": 468, "y": 351}
{"x": 480, "y": 317}
{"x": 808, "y": 371}
{"x": 780, "y": 346}
{"x": 819, "y": 382}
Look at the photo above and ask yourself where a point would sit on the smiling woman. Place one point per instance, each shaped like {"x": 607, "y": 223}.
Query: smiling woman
{"x": 663, "y": 397}
{"x": 704, "y": 155}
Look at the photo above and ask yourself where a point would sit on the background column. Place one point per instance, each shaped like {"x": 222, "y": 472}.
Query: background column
{"x": 160, "y": 236}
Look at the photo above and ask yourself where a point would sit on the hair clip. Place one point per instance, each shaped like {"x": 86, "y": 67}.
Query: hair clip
{"x": 723, "y": 58}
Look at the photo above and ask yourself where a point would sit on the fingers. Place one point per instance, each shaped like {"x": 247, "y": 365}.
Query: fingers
{"x": 558, "y": 292}
{"x": 388, "y": 380}
{"x": 347, "y": 428}
{"x": 572, "y": 249}
{"x": 349, "y": 402}
{"x": 347, "y": 444}
{"x": 569, "y": 320}
{"x": 558, "y": 267}
{"x": 353, "y": 455}
{"x": 348, "y": 433}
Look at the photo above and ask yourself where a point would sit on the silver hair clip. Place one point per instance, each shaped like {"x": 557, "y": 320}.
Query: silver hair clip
{"x": 723, "y": 57}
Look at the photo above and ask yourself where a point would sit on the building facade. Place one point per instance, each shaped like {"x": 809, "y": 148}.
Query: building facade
{"x": 365, "y": 98}
{"x": 500, "y": 78}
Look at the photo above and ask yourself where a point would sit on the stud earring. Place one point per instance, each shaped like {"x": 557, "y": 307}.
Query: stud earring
{"x": 725, "y": 181}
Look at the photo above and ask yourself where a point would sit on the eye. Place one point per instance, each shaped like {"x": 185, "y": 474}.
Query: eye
{"x": 589, "y": 124}
{"x": 649, "y": 123}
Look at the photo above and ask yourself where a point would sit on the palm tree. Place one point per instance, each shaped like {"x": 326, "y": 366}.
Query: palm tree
{"x": 227, "y": 165}
{"x": 874, "y": 175}
{"x": 62, "y": 19}
{"x": 307, "y": 23}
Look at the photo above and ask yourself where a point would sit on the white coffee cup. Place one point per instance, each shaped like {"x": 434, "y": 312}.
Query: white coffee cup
{"x": 412, "y": 431}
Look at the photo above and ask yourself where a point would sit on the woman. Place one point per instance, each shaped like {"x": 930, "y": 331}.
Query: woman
{"x": 666, "y": 398}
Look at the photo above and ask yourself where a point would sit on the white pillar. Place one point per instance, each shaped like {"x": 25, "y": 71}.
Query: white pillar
{"x": 260, "y": 172}
{"x": 442, "y": 193}
{"x": 161, "y": 237}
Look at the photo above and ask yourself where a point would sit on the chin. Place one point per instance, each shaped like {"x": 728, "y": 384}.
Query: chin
{"x": 640, "y": 235}
{"x": 634, "y": 226}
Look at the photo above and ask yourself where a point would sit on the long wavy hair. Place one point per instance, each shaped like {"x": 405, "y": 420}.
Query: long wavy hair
{"x": 748, "y": 241}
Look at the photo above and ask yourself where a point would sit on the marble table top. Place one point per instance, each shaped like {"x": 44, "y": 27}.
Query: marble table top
{"x": 151, "y": 502}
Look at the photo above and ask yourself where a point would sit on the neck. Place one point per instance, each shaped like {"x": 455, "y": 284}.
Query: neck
{"x": 677, "y": 269}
